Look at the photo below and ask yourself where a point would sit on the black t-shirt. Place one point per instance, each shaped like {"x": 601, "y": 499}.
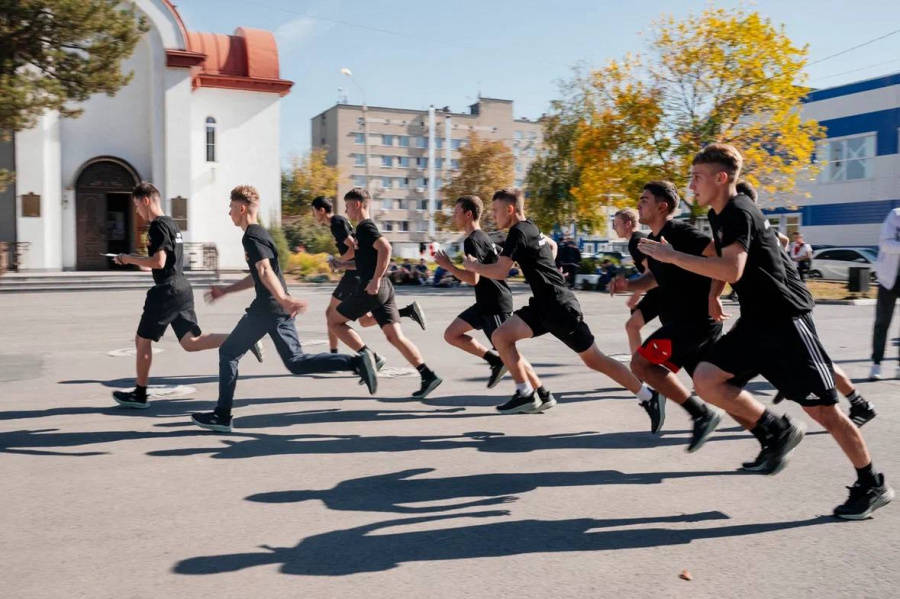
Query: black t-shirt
{"x": 367, "y": 234}
{"x": 258, "y": 245}
{"x": 770, "y": 285}
{"x": 164, "y": 235}
{"x": 684, "y": 296}
{"x": 636, "y": 254}
{"x": 341, "y": 230}
{"x": 526, "y": 245}
{"x": 492, "y": 296}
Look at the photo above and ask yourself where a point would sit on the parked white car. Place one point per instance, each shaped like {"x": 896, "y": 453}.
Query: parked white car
{"x": 835, "y": 263}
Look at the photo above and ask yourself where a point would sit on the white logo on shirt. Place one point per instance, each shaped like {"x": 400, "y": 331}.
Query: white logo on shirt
{"x": 542, "y": 240}
{"x": 178, "y": 238}
{"x": 767, "y": 225}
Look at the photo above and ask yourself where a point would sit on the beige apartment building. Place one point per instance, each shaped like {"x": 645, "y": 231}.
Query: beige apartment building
{"x": 398, "y": 155}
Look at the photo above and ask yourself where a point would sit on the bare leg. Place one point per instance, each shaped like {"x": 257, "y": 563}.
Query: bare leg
{"x": 633, "y": 328}
{"x": 144, "y": 358}
{"x": 659, "y": 378}
{"x": 842, "y": 381}
{"x": 367, "y": 321}
{"x": 457, "y": 336}
{"x": 504, "y": 339}
{"x": 844, "y": 432}
{"x": 594, "y": 359}
{"x": 338, "y": 324}
{"x": 713, "y": 386}
{"x": 203, "y": 342}
{"x": 395, "y": 337}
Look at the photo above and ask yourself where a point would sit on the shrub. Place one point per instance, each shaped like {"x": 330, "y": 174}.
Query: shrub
{"x": 308, "y": 264}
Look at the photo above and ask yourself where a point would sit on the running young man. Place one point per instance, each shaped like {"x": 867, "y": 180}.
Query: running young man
{"x": 861, "y": 411}
{"x": 323, "y": 209}
{"x": 689, "y": 305}
{"x": 645, "y": 309}
{"x": 375, "y": 293}
{"x": 171, "y": 299}
{"x": 271, "y": 313}
{"x": 552, "y": 309}
{"x": 493, "y": 300}
{"x": 775, "y": 337}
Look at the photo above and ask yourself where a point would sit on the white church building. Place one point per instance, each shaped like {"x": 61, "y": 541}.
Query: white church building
{"x": 200, "y": 116}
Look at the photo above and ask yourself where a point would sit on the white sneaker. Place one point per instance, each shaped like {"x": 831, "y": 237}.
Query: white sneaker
{"x": 875, "y": 372}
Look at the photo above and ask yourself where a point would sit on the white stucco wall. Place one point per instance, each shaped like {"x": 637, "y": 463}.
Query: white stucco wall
{"x": 38, "y": 172}
{"x": 247, "y": 152}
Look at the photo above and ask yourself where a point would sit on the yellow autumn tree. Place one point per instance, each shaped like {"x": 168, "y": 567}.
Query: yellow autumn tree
{"x": 484, "y": 167}
{"x": 718, "y": 76}
{"x": 309, "y": 176}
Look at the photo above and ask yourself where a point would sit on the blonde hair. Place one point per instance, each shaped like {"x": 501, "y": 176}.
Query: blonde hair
{"x": 628, "y": 215}
{"x": 723, "y": 155}
{"x": 246, "y": 194}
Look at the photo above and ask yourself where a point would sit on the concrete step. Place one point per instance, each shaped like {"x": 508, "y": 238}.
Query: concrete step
{"x": 34, "y": 282}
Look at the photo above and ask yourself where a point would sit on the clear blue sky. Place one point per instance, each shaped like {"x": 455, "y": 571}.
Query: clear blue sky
{"x": 412, "y": 54}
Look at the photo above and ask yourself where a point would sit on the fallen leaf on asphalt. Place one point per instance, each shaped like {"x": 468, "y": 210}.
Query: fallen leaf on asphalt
{"x": 685, "y": 575}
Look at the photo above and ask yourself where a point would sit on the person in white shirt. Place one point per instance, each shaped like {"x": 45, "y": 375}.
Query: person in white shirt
{"x": 886, "y": 270}
{"x": 801, "y": 254}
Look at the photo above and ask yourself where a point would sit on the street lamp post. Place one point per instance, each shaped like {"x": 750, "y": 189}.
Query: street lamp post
{"x": 365, "y": 123}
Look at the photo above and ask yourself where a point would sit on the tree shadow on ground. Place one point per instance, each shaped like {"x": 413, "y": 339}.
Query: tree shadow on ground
{"x": 394, "y": 492}
{"x": 369, "y": 548}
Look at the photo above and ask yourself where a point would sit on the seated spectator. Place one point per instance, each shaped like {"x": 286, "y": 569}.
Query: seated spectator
{"x": 442, "y": 279}
{"x": 421, "y": 272}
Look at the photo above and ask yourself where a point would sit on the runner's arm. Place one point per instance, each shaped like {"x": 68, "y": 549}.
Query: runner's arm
{"x": 728, "y": 267}
{"x": 155, "y": 262}
{"x": 499, "y": 270}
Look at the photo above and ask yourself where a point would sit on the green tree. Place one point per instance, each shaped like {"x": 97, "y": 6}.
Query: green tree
{"x": 56, "y": 53}
{"x": 484, "y": 167}
{"x": 309, "y": 177}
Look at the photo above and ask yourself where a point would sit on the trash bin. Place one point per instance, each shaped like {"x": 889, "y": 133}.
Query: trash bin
{"x": 859, "y": 279}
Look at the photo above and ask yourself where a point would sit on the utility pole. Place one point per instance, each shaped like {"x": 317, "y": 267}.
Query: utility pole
{"x": 431, "y": 172}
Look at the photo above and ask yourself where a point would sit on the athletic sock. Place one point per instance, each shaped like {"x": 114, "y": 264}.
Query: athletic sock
{"x": 644, "y": 394}
{"x": 768, "y": 425}
{"x": 695, "y": 407}
{"x": 855, "y": 398}
{"x": 362, "y": 349}
{"x": 543, "y": 393}
{"x": 492, "y": 358}
{"x": 425, "y": 371}
{"x": 140, "y": 392}
{"x": 866, "y": 476}
{"x": 334, "y": 350}
{"x": 223, "y": 413}
{"x": 524, "y": 389}
{"x": 406, "y": 311}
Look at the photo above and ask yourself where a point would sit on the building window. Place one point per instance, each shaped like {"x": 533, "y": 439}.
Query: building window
{"x": 403, "y": 161}
{"x": 359, "y": 180}
{"x": 421, "y": 142}
{"x": 792, "y": 222}
{"x": 388, "y": 226}
{"x": 454, "y": 164}
{"x": 359, "y": 160}
{"x": 439, "y": 143}
{"x": 386, "y": 182}
{"x": 438, "y": 163}
{"x": 210, "y": 139}
{"x": 403, "y": 182}
{"x": 421, "y": 162}
{"x": 532, "y": 135}
{"x": 387, "y": 140}
{"x": 359, "y": 139}
{"x": 423, "y": 226}
{"x": 386, "y": 161}
{"x": 423, "y": 205}
{"x": 532, "y": 152}
{"x": 517, "y": 135}
{"x": 456, "y": 144}
{"x": 403, "y": 141}
{"x": 387, "y": 204}
{"x": 519, "y": 167}
{"x": 422, "y": 182}
{"x": 516, "y": 152}
{"x": 847, "y": 159}
{"x": 439, "y": 184}
{"x": 180, "y": 212}
{"x": 404, "y": 225}
{"x": 398, "y": 204}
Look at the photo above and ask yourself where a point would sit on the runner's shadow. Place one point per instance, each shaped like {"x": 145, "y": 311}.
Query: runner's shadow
{"x": 198, "y": 379}
{"x": 36, "y": 442}
{"x": 394, "y": 492}
{"x": 359, "y": 549}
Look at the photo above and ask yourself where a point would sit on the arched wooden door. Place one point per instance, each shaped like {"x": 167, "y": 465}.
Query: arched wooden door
{"x": 105, "y": 220}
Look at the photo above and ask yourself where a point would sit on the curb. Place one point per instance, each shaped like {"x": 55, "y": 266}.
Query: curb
{"x": 846, "y": 302}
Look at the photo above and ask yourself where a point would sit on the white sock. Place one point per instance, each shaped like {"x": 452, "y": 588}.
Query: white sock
{"x": 524, "y": 389}
{"x": 644, "y": 394}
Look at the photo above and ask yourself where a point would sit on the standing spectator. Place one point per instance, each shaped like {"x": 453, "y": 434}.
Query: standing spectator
{"x": 568, "y": 260}
{"x": 801, "y": 254}
{"x": 886, "y": 269}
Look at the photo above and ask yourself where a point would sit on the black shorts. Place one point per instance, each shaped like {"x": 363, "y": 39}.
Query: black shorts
{"x": 169, "y": 304}
{"x": 786, "y": 352}
{"x": 478, "y": 320}
{"x": 565, "y": 322}
{"x": 678, "y": 345}
{"x": 346, "y": 286}
{"x": 648, "y": 305}
{"x": 382, "y": 306}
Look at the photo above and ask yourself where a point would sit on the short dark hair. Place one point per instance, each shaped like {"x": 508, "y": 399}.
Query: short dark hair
{"x": 723, "y": 155}
{"x": 473, "y": 204}
{"x": 510, "y": 195}
{"x": 357, "y": 194}
{"x": 145, "y": 190}
{"x": 666, "y": 191}
{"x": 323, "y": 202}
{"x": 744, "y": 188}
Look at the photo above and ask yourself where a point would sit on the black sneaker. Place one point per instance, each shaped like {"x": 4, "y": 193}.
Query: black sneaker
{"x": 656, "y": 409}
{"x": 257, "y": 351}
{"x": 380, "y": 361}
{"x": 861, "y": 413}
{"x": 129, "y": 399}
{"x": 365, "y": 368}
{"x": 429, "y": 384}
{"x": 703, "y": 428}
{"x": 545, "y": 403}
{"x": 757, "y": 465}
{"x": 779, "y": 397}
{"x": 865, "y": 500}
{"x": 520, "y": 404}
{"x": 416, "y": 314}
{"x": 497, "y": 372}
{"x": 212, "y": 422}
{"x": 779, "y": 448}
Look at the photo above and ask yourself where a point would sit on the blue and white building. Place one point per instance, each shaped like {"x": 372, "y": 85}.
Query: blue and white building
{"x": 859, "y": 182}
